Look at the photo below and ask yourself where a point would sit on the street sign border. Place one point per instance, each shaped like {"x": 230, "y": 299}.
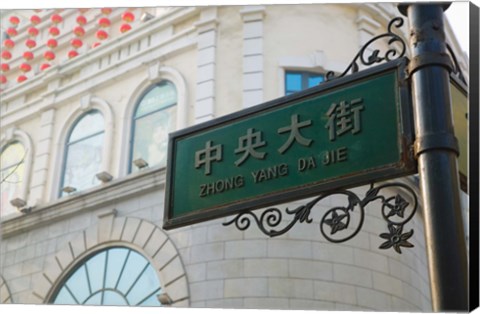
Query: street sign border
{"x": 406, "y": 165}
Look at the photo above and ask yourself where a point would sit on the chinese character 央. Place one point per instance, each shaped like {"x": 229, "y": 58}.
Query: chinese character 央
{"x": 344, "y": 117}
{"x": 294, "y": 129}
{"x": 207, "y": 156}
{"x": 248, "y": 144}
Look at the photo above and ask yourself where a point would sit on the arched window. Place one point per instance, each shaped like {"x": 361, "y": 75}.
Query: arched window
{"x": 83, "y": 152}
{"x": 12, "y": 166}
{"x": 153, "y": 119}
{"x": 115, "y": 276}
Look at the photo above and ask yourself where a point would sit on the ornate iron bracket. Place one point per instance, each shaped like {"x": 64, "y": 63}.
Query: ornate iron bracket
{"x": 337, "y": 220}
{"x": 376, "y": 56}
{"x": 456, "y": 69}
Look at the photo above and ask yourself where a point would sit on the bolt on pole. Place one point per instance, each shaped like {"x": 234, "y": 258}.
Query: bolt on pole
{"x": 436, "y": 149}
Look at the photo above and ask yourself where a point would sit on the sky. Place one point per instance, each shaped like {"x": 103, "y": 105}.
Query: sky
{"x": 458, "y": 16}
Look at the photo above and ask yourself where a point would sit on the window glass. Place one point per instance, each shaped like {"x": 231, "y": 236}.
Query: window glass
{"x": 83, "y": 152}
{"x": 136, "y": 282}
{"x": 12, "y": 172}
{"x": 154, "y": 118}
{"x": 296, "y": 81}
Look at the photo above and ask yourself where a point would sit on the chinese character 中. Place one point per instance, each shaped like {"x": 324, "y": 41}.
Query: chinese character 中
{"x": 207, "y": 156}
{"x": 247, "y": 145}
{"x": 294, "y": 129}
{"x": 344, "y": 117}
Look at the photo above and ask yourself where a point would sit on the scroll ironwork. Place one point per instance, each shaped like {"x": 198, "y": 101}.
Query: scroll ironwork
{"x": 337, "y": 220}
{"x": 376, "y": 56}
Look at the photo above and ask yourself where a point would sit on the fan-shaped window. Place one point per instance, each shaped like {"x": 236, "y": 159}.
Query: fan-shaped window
{"x": 12, "y": 163}
{"x": 83, "y": 153}
{"x": 116, "y": 276}
{"x": 154, "y": 118}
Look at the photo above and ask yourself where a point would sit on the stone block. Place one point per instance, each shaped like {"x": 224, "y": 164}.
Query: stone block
{"x": 387, "y": 284}
{"x": 246, "y": 287}
{"x": 173, "y": 270}
{"x": 231, "y": 303}
{"x": 144, "y": 233}
{"x": 206, "y": 73}
{"x": 206, "y": 39}
{"x": 252, "y": 98}
{"x": 91, "y": 237}
{"x": 156, "y": 241}
{"x": 207, "y": 252}
{"x": 130, "y": 229}
{"x": 204, "y": 107}
{"x": 246, "y": 249}
{"x": 334, "y": 292}
{"x": 19, "y": 284}
{"x": 206, "y": 290}
{"x": 78, "y": 245}
{"x": 206, "y": 56}
{"x": 266, "y": 267}
{"x": 266, "y": 303}
{"x": 252, "y": 64}
{"x": 52, "y": 270}
{"x": 253, "y": 46}
{"x": 230, "y": 268}
{"x": 64, "y": 257}
{"x": 164, "y": 255}
{"x": 309, "y": 269}
{"x": 290, "y": 288}
{"x": 178, "y": 289}
{"x": 332, "y": 252}
{"x": 253, "y": 81}
{"x": 299, "y": 304}
{"x": 196, "y": 272}
{"x": 352, "y": 275}
{"x": 373, "y": 299}
{"x": 204, "y": 90}
{"x": 371, "y": 260}
{"x": 289, "y": 248}
{"x": 221, "y": 233}
{"x": 253, "y": 29}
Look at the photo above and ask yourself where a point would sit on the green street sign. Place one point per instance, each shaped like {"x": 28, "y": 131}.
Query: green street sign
{"x": 459, "y": 94}
{"x": 343, "y": 133}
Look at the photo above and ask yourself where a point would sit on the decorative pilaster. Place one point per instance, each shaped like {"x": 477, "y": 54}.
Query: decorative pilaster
{"x": 205, "y": 93}
{"x": 252, "y": 55}
{"x": 42, "y": 156}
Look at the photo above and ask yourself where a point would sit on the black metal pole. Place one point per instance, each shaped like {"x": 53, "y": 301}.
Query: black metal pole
{"x": 436, "y": 149}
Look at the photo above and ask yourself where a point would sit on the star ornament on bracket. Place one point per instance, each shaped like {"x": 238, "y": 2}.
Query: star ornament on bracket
{"x": 336, "y": 222}
{"x": 396, "y": 238}
{"x": 398, "y": 207}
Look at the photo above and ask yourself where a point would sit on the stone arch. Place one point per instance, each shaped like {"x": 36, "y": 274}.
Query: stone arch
{"x": 12, "y": 135}
{"x": 5, "y": 295}
{"x": 87, "y": 103}
{"x": 140, "y": 235}
{"x": 154, "y": 74}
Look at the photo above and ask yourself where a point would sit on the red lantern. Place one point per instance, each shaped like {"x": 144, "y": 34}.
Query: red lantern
{"x": 96, "y": 44}
{"x": 54, "y": 31}
{"x": 30, "y": 43}
{"x": 79, "y": 31}
{"x": 5, "y": 67}
{"x": 32, "y": 31}
{"x": 49, "y": 55}
{"x": 125, "y": 28}
{"x": 3, "y": 79}
{"x": 25, "y": 67}
{"x": 28, "y": 55}
{"x": 14, "y": 20}
{"x": 81, "y": 20}
{"x": 101, "y": 34}
{"x": 6, "y": 55}
{"x": 52, "y": 43}
{"x": 8, "y": 43}
{"x": 21, "y": 78}
{"x": 128, "y": 16}
{"x": 76, "y": 42}
{"x": 72, "y": 54}
{"x": 56, "y": 18}
{"x": 104, "y": 22}
{"x": 106, "y": 11}
{"x": 44, "y": 66}
{"x": 35, "y": 19}
{"x": 12, "y": 32}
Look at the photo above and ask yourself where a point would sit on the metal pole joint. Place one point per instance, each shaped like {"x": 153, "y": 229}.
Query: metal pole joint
{"x": 430, "y": 59}
{"x": 438, "y": 141}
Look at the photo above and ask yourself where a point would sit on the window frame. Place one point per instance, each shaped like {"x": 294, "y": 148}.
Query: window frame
{"x": 67, "y": 144}
{"x": 133, "y": 117}
{"x": 305, "y": 75}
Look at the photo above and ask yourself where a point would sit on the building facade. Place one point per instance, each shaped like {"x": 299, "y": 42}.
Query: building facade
{"x": 88, "y": 95}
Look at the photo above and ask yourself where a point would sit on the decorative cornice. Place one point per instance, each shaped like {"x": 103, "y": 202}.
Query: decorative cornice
{"x": 253, "y": 13}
